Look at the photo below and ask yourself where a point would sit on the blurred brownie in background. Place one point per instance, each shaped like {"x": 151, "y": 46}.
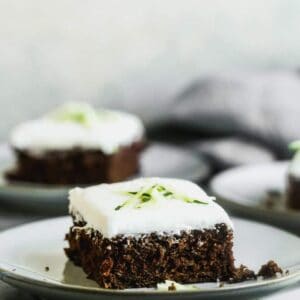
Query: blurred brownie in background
{"x": 77, "y": 144}
{"x": 293, "y": 186}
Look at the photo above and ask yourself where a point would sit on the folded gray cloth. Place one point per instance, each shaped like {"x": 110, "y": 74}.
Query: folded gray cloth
{"x": 264, "y": 106}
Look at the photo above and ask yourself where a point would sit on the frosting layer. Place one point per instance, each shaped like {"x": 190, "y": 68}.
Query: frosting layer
{"x": 125, "y": 208}
{"x": 106, "y": 130}
{"x": 294, "y": 167}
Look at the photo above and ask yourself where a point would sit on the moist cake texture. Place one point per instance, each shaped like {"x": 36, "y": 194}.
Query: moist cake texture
{"x": 142, "y": 232}
{"x": 77, "y": 144}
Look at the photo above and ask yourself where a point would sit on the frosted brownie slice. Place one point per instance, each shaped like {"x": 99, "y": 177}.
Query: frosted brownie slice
{"x": 293, "y": 186}
{"x": 141, "y": 232}
{"x": 77, "y": 144}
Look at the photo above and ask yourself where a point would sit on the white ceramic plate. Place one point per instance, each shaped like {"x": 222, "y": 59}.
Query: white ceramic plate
{"x": 244, "y": 192}
{"x": 26, "y": 251}
{"x": 157, "y": 160}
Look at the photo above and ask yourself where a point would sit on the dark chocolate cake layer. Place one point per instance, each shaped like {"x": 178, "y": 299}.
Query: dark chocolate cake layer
{"x": 143, "y": 261}
{"x": 76, "y": 166}
{"x": 293, "y": 192}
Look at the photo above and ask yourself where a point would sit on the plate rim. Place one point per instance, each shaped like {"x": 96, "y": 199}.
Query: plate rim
{"x": 9, "y": 276}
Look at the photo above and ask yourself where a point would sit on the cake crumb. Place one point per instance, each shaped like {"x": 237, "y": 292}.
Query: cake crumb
{"x": 47, "y": 268}
{"x": 172, "y": 287}
{"x": 242, "y": 273}
{"x": 287, "y": 272}
{"x": 269, "y": 270}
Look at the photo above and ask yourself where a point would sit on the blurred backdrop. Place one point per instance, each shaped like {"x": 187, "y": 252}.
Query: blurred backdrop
{"x": 149, "y": 56}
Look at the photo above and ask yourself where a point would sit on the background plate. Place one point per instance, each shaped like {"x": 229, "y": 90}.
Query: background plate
{"x": 157, "y": 160}
{"x": 245, "y": 191}
{"x": 26, "y": 251}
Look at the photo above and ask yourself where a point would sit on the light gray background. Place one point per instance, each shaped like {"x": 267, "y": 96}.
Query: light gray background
{"x": 132, "y": 54}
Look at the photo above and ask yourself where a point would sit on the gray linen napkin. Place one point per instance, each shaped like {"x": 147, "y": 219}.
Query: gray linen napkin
{"x": 264, "y": 107}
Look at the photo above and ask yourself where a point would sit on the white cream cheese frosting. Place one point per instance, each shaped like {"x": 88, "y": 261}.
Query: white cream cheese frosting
{"x": 146, "y": 205}
{"x": 78, "y": 125}
{"x": 294, "y": 166}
